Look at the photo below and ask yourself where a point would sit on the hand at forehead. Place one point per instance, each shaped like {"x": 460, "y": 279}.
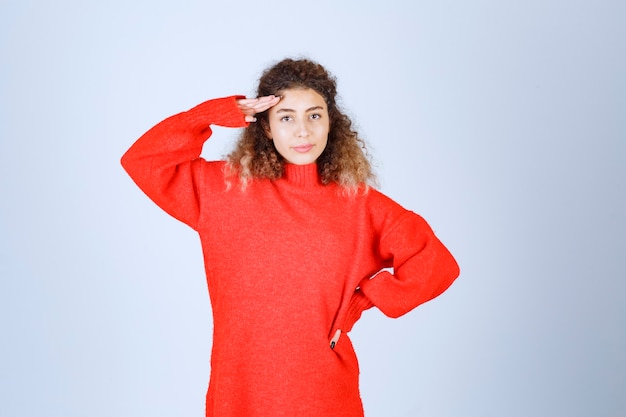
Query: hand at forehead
{"x": 252, "y": 106}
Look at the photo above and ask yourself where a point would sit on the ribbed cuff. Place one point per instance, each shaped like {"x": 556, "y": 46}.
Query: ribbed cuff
{"x": 358, "y": 304}
{"x": 218, "y": 111}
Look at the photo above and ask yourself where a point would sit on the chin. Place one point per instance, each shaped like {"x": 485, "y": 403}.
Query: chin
{"x": 305, "y": 162}
{"x": 302, "y": 160}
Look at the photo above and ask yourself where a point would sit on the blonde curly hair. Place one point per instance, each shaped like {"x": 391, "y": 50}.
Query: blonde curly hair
{"x": 344, "y": 160}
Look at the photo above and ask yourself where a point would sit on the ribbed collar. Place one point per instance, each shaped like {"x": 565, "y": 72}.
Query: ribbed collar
{"x": 302, "y": 175}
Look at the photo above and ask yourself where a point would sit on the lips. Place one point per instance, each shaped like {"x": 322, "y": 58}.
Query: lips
{"x": 303, "y": 148}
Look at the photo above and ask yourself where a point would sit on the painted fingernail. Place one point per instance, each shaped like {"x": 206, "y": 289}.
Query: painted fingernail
{"x": 335, "y": 339}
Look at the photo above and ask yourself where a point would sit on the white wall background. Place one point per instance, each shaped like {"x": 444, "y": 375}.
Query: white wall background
{"x": 502, "y": 122}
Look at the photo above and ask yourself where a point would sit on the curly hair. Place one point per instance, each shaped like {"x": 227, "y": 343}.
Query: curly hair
{"x": 345, "y": 159}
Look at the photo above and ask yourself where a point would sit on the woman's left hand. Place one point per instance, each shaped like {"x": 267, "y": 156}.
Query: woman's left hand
{"x": 251, "y": 106}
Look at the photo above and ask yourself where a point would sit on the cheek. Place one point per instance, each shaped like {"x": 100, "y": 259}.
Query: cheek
{"x": 324, "y": 131}
{"x": 279, "y": 136}
{"x": 275, "y": 130}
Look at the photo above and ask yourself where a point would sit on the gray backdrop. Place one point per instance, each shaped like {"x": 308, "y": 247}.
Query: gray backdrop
{"x": 502, "y": 122}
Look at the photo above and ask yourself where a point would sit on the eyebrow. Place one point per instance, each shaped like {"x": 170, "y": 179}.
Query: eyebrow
{"x": 293, "y": 111}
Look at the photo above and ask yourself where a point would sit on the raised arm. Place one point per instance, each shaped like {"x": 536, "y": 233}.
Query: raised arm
{"x": 165, "y": 162}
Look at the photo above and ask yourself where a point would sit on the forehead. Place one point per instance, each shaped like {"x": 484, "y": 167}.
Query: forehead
{"x": 300, "y": 99}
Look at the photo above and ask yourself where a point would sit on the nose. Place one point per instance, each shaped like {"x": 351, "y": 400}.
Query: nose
{"x": 302, "y": 129}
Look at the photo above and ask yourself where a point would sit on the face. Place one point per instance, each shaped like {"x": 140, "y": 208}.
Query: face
{"x": 299, "y": 125}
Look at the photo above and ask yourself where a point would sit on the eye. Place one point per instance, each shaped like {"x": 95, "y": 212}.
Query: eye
{"x": 286, "y": 119}
{"x": 316, "y": 116}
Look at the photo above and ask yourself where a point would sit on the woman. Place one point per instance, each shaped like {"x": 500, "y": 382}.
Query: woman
{"x": 296, "y": 242}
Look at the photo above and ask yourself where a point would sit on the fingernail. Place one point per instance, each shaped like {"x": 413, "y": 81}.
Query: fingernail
{"x": 335, "y": 339}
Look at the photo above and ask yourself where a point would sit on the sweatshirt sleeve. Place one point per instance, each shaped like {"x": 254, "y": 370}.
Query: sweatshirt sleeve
{"x": 165, "y": 162}
{"x": 423, "y": 268}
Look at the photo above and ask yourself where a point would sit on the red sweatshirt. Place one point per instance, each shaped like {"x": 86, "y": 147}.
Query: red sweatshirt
{"x": 291, "y": 264}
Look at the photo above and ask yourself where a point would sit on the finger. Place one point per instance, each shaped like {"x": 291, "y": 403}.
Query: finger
{"x": 265, "y": 103}
{"x": 269, "y": 98}
{"x": 251, "y": 102}
{"x": 254, "y": 103}
{"x": 252, "y": 106}
{"x": 246, "y": 103}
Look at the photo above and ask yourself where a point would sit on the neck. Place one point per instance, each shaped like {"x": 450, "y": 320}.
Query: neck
{"x": 302, "y": 175}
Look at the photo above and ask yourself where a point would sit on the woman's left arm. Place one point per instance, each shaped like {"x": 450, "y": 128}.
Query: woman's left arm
{"x": 423, "y": 268}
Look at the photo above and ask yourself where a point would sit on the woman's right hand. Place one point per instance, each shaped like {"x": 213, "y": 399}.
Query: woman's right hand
{"x": 251, "y": 106}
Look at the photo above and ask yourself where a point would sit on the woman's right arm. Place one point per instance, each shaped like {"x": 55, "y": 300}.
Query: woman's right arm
{"x": 165, "y": 162}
